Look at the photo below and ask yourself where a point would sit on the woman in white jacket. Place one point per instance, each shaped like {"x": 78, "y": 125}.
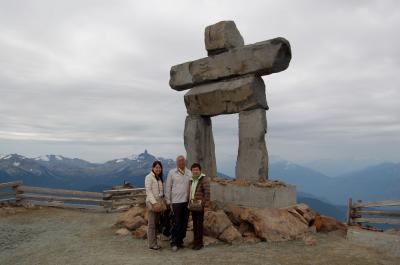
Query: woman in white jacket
{"x": 154, "y": 201}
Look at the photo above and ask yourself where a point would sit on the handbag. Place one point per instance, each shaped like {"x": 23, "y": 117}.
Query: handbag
{"x": 195, "y": 205}
{"x": 158, "y": 207}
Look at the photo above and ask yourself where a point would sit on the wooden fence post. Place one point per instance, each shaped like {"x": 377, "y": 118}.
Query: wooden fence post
{"x": 349, "y": 211}
{"x": 18, "y": 199}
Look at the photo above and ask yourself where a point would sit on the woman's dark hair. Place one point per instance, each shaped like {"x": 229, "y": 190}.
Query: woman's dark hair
{"x": 160, "y": 176}
{"x": 195, "y": 165}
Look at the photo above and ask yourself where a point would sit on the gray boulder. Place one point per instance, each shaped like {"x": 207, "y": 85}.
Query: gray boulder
{"x": 227, "y": 96}
{"x": 221, "y": 37}
{"x": 252, "y": 160}
{"x": 261, "y": 58}
{"x": 199, "y": 143}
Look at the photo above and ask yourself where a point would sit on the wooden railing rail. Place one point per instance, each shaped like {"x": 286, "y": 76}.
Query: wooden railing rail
{"x": 357, "y": 212}
{"x": 109, "y": 200}
{"x": 8, "y": 192}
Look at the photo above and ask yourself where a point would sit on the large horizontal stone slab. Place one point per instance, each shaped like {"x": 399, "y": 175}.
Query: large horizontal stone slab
{"x": 261, "y": 58}
{"x": 257, "y": 195}
{"x": 227, "y": 96}
{"x": 221, "y": 37}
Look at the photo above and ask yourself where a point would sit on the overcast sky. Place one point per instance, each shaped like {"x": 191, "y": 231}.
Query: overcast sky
{"x": 89, "y": 79}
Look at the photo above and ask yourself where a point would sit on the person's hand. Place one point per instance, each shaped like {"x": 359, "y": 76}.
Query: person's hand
{"x": 156, "y": 207}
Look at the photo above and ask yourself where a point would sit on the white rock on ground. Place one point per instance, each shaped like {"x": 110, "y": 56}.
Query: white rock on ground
{"x": 123, "y": 232}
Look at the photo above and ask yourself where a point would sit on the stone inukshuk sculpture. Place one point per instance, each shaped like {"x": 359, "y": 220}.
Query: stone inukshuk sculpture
{"x": 229, "y": 81}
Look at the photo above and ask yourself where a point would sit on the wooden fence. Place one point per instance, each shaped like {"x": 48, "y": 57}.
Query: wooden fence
{"x": 109, "y": 200}
{"x": 60, "y": 197}
{"x": 122, "y": 199}
{"x": 8, "y": 191}
{"x": 358, "y": 213}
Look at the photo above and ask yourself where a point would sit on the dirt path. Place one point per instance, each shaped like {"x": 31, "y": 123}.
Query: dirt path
{"x": 54, "y": 236}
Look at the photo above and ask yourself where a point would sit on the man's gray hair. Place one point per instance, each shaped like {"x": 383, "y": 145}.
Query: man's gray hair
{"x": 180, "y": 156}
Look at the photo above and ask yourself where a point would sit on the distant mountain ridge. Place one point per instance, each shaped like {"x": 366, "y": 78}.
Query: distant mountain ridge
{"x": 322, "y": 207}
{"x": 373, "y": 183}
{"x": 62, "y": 172}
{"x": 325, "y": 193}
{"x": 57, "y": 171}
{"x": 338, "y": 167}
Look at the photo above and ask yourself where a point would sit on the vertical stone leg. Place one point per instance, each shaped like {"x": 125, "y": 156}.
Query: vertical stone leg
{"x": 252, "y": 160}
{"x": 199, "y": 143}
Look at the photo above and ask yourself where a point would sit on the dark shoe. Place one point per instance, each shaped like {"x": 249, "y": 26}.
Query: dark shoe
{"x": 180, "y": 245}
{"x": 197, "y": 247}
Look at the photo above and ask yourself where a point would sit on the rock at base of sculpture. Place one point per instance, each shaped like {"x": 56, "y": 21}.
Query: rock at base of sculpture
{"x": 231, "y": 235}
{"x": 328, "y": 224}
{"x": 215, "y": 223}
{"x": 127, "y": 219}
{"x": 249, "y": 194}
{"x": 135, "y": 223}
{"x": 199, "y": 143}
{"x": 234, "y": 223}
{"x": 276, "y": 225}
{"x": 227, "y": 97}
{"x": 141, "y": 232}
{"x": 252, "y": 160}
{"x": 218, "y": 225}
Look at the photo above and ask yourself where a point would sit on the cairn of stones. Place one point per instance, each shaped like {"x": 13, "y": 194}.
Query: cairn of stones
{"x": 229, "y": 81}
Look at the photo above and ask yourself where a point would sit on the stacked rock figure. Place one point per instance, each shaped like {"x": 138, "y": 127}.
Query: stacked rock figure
{"x": 229, "y": 81}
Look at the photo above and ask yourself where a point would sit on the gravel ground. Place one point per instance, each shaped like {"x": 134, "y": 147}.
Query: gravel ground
{"x": 56, "y": 236}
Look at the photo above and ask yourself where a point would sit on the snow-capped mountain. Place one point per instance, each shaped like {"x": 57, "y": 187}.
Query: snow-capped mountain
{"x": 47, "y": 158}
{"x": 63, "y": 172}
{"x": 373, "y": 183}
{"x": 14, "y": 166}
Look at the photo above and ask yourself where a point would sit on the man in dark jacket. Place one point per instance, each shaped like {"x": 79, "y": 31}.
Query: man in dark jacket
{"x": 199, "y": 191}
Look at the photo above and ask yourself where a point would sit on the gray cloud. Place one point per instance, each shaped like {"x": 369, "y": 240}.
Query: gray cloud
{"x": 90, "y": 78}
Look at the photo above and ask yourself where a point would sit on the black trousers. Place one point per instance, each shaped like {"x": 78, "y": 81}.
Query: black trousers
{"x": 164, "y": 223}
{"x": 198, "y": 219}
{"x": 180, "y": 218}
